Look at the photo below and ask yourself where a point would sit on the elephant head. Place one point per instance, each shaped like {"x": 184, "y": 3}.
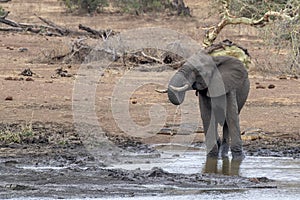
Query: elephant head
{"x": 214, "y": 76}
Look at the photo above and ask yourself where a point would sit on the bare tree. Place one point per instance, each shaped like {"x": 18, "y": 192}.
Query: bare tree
{"x": 228, "y": 18}
{"x": 289, "y": 13}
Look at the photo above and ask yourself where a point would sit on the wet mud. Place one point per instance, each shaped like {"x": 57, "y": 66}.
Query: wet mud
{"x": 46, "y": 167}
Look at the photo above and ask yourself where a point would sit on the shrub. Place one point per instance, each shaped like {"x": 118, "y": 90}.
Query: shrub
{"x": 88, "y": 6}
{"x": 129, "y": 6}
{"x": 23, "y": 135}
{"x": 2, "y": 11}
{"x": 142, "y": 6}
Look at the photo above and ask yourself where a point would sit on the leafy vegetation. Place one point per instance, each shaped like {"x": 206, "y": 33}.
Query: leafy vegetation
{"x": 2, "y": 11}
{"x": 25, "y": 134}
{"x": 88, "y": 6}
{"x": 142, "y": 6}
{"x": 127, "y": 6}
{"x": 257, "y": 8}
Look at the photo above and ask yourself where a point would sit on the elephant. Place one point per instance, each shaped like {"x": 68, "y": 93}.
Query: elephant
{"x": 222, "y": 86}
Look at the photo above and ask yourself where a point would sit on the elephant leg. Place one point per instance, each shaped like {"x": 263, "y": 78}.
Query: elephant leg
{"x": 210, "y": 127}
{"x": 225, "y": 141}
{"x": 232, "y": 120}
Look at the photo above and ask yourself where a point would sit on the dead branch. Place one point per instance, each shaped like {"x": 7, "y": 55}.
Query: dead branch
{"x": 52, "y": 29}
{"x": 9, "y": 22}
{"x": 11, "y": 29}
{"x": 151, "y": 58}
{"x": 104, "y": 34}
{"x": 89, "y": 30}
{"x": 228, "y": 19}
{"x": 59, "y": 29}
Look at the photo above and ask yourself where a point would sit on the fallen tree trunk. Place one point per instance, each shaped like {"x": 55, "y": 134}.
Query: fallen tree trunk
{"x": 104, "y": 34}
{"x": 11, "y": 29}
{"x": 9, "y": 22}
{"x": 62, "y": 31}
{"x": 52, "y": 29}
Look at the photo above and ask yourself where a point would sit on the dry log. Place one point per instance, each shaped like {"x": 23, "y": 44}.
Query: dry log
{"x": 59, "y": 29}
{"x": 104, "y": 34}
{"x": 52, "y": 29}
{"x": 8, "y": 22}
{"x": 89, "y": 30}
{"x": 11, "y": 29}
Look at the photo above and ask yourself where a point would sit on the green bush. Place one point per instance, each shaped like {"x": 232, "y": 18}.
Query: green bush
{"x": 2, "y": 11}
{"x": 142, "y": 6}
{"x": 88, "y": 6}
{"x": 127, "y": 6}
{"x": 25, "y": 134}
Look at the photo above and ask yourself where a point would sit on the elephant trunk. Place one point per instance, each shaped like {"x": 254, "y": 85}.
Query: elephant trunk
{"x": 178, "y": 85}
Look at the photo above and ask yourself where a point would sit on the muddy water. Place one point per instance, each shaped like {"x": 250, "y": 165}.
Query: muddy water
{"x": 174, "y": 172}
{"x": 284, "y": 171}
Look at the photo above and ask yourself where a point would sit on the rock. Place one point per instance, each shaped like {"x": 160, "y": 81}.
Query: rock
{"x": 23, "y": 49}
{"x": 260, "y": 87}
{"x": 282, "y": 77}
{"x": 254, "y": 180}
{"x": 251, "y": 134}
{"x": 156, "y": 172}
{"x": 29, "y": 79}
{"x": 17, "y": 187}
{"x": 9, "y": 98}
{"x": 165, "y": 131}
{"x": 14, "y": 78}
{"x": 27, "y": 72}
{"x": 133, "y": 101}
{"x": 62, "y": 73}
{"x": 8, "y": 78}
{"x": 295, "y": 77}
{"x": 10, "y": 48}
{"x": 271, "y": 86}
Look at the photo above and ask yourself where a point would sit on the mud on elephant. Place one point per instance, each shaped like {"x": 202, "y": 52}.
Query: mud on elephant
{"x": 222, "y": 85}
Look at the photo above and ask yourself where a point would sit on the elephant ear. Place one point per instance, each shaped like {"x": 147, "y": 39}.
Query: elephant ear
{"x": 230, "y": 74}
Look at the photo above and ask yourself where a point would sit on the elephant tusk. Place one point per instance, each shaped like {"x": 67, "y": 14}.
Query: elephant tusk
{"x": 180, "y": 89}
{"x": 162, "y": 91}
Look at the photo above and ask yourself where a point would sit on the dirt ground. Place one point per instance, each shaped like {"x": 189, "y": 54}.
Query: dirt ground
{"x": 45, "y": 103}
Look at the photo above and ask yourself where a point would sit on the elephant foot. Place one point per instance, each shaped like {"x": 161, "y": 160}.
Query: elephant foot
{"x": 214, "y": 153}
{"x": 238, "y": 155}
{"x": 224, "y": 150}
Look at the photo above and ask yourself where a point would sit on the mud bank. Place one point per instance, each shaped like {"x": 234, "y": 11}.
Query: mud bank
{"x": 54, "y": 163}
{"x": 47, "y": 176}
{"x": 51, "y": 135}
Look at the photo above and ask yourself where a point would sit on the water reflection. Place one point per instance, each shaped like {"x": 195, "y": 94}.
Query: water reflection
{"x": 228, "y": 167}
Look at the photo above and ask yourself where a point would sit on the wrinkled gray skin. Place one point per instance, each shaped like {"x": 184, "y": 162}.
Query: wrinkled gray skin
{"x": 222, "y": 85}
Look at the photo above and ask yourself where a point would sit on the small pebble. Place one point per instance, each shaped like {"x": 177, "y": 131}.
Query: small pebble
{"x": 271, "y": 86}
{"x": 260, "y": 87}
{"x": 9, "y": 98}
{"x": 29, "y": 79}
{"x": 23, "y": 49}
